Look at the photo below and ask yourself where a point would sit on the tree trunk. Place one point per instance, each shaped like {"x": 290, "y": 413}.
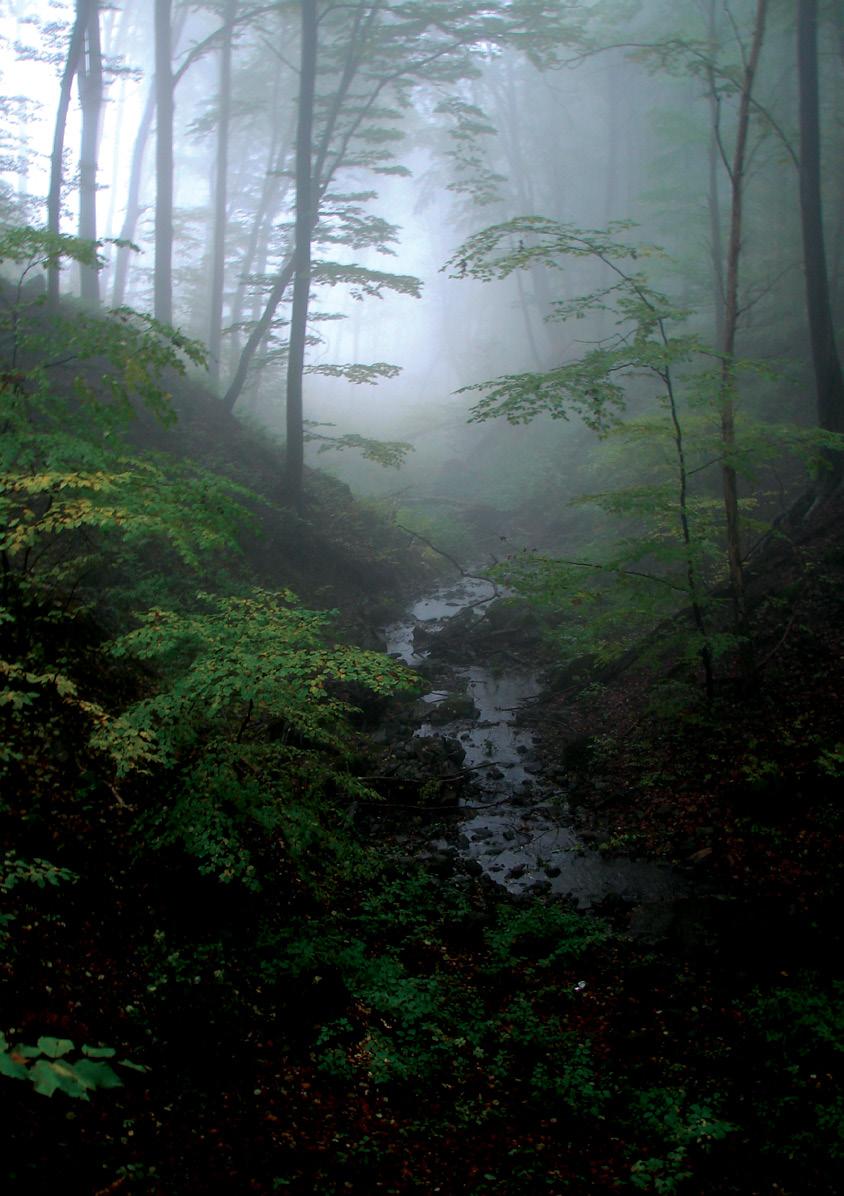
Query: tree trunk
{"x": 295, "y": 448}
{"x": 133, "y": 210}
{"x": 716, "y": 247}
{"x": 163, "y": 286}
{"x": 829, "y": 384}
{"x": 133, "y": 199}
{"x": 731, "y": 318}
{"x": 255, "y": 255}
{"x": 54, "y": 197}
{"x": 218, "y": 247}
{"x": 90, "y": 77}
{"x": 322, "y": 172}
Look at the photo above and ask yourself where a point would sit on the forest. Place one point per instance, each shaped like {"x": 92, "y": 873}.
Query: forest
{"x": 422, "y": 543}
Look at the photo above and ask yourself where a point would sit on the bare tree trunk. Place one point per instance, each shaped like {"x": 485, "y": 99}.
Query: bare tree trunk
{"x": 731, "y": 318}
{"x": 163, "y": 285}
{"x": 322, "y": 173}
{"x": 295, "y": 447}
{"x": 506, "y": 98}
{"x": 259, "y": 234}
{"x": 218, "y": 247}
{"x": 716, "y": 247}
{"x": 90, "y": 76}
{"x": 258, "y": 333}
{"x": 829, "y": 383}
{"x": 133, "y": 199}
{"x": 54, "y": 197}
{"x": 136, "y": 173}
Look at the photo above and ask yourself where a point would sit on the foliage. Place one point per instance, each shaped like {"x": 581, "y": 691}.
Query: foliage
{"x": 681, "y": 1128}
{"x": 802, "y": 1027}
{"x": 418, "y": 1019}
{"x": 547, "y": 935}
{"x": 41, "y": 873}
{"x": 68, "y": 387}
{"x": 53, "y": 1065}
{"x": 253, "y": 710}
{"x": 245, "y": 664}
{"x": 38, "y": 872}
{"x": 671, "y": 547}
{"x": 390, "y": 454}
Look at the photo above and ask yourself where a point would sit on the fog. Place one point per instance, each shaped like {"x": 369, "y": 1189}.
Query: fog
{"x": 583, "y": 114}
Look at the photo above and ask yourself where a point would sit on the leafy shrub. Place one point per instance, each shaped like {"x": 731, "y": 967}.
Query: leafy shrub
{"x": 802, "y": 1085}
{"x": 252, "y": 712}
{"x": 54, "y": 1065}
{"x": 544, "y": 934}
{"x": 680, "y": 1128}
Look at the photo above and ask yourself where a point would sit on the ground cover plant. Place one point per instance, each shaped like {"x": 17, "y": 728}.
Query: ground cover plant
{"x": 212, "y": 973}
{"x": 250, "y": 939}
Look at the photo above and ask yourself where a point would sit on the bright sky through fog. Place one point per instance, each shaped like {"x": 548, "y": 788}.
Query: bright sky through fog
{"x": 39, "y": 82}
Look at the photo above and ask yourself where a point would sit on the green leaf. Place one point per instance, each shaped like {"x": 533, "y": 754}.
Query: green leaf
{"x": 47, "y": 1077}
{"x": 133, "y": 1066}
{"x": 8, "y": 1067}
{"x": 98, "y": 1052}
{"x": 96, "y": 1075}
{"x": 28, "y": 1052}
{"x": 55, "y": 1047}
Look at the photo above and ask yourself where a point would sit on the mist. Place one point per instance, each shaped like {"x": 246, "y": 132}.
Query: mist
{"x": 421, "y": 573}
{"x": 606, "y": 116}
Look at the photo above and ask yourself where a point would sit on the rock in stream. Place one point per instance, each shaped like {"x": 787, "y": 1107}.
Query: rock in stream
{"x": 516, "y": 829}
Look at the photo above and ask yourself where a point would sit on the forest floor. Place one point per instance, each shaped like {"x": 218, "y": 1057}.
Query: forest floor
{"x": 366, "y": 1024}
{"x": 745, "y": 790}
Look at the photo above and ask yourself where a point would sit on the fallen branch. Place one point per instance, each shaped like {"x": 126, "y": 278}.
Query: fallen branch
{"x": 447, "y": 556}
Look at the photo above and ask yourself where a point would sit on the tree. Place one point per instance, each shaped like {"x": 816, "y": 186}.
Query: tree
{"x": 374, "y": 53}
{"x": 295, "y": 450}
{"x": 133, "y": 192}
{"x": 163, "y": 287}
{"x": 593, "y": 385}
{"x": 54, "y": 197}
{"x": 731, "y": 318}
{"x": 829, "y": 381}
{"x": 90, "y": 74}
{"x": 218, "y": 247}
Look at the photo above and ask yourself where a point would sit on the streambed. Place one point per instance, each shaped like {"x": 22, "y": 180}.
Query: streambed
{"x": 517, "y": 826}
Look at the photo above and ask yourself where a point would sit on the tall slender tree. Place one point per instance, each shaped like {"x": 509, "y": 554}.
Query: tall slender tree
{"x": 737, "y": 169}
{"x": 163, "y": 283}
{"x": 218, "y": 240}
{"x": 829, "y": 382}
{"x": 54, "y": 197}
{"x": 133, "y": 207}
{"x": 90, "y": 76}
{"x": 376, "y": 51}
{"x": 295, "y": 447}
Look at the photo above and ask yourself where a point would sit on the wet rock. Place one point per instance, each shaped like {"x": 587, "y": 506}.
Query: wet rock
{"x": 422, "y": 637}
{"x": 451, "y": 641}
{"x": 514, "y": 615}
{"x": 454, "y": 707}
{"x": 441, "y": 866}
{"x": 482, "y": 834}
{"x": 553, "y": 870}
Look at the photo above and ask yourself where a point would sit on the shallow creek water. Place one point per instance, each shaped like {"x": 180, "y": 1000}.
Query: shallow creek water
{"x": 523, "y": 837}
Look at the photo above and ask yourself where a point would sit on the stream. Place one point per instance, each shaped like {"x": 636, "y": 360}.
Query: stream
{"x": 523, "y": 835}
